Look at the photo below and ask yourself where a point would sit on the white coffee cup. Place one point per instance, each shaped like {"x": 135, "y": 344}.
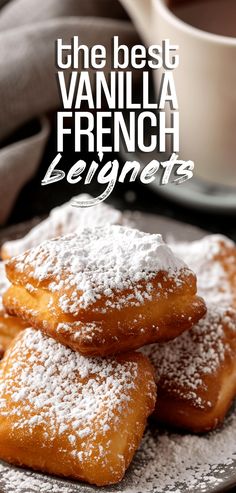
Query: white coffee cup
{"x": 205, "y": 85}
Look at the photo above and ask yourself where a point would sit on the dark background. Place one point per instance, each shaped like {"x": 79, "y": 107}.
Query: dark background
{"x": 35, "y": 200}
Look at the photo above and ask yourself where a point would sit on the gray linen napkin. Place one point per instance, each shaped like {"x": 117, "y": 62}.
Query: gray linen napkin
{"x": 28, "y": 87}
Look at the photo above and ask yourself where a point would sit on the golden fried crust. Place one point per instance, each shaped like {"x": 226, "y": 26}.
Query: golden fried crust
{"x": 65, "y": 414}
{"x": 172, "y": 310}
{"x": 104, "y": 290}
{"x": 9, "y": 328}
{"x": 196, "y": 373}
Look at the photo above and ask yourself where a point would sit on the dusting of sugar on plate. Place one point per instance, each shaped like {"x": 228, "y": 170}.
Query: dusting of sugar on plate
{"x": 165, "y": 463}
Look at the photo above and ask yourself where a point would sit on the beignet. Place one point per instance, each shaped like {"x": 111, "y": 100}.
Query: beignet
{"x": 65, "y": 414}
{"x": 104, "y": 290}
{"x": 196, "y": 373}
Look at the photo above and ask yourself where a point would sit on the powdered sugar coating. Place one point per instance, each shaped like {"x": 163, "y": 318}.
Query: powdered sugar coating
{"x": 78, "y": 330}
{"x": 64, "y": 392}
{"x": 98, "y": 261}
{"x": 66, "y": 219}
{"x": 182, "y": 364}
{"x": 201, "y": 256}
{"x": 166, "y": 462}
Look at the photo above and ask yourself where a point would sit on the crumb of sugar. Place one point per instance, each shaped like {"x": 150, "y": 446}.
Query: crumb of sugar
{"x": 67, "y": 219}
{"x": 74, "y": 395}
{"x": 99, "y": 261}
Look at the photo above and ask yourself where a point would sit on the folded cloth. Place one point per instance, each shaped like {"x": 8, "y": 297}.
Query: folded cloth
{"x": 28, "y": 86}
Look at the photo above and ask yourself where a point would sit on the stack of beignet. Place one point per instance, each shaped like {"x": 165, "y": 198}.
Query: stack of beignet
{"x": 74, "y": 394}
{"x": 104, "y": 291}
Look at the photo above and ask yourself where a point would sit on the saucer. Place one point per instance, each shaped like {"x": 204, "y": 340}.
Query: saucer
{"x": 200, "y": 195}
{"x": 194, "y": 193}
